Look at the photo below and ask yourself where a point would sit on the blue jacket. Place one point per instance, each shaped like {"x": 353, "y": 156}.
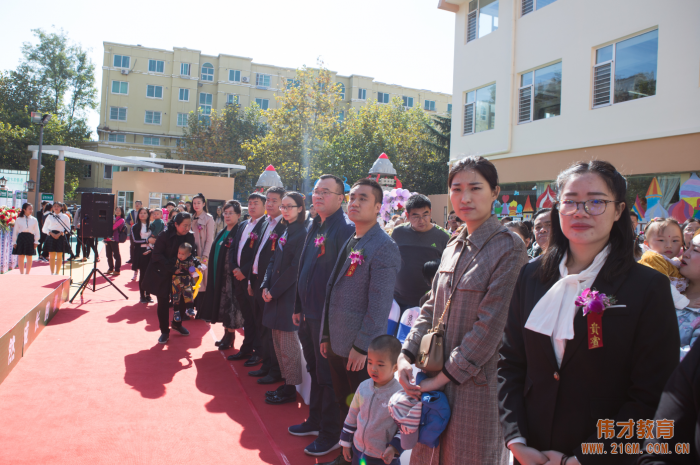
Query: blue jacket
{"x": 315, "y": 271}
{"x": 434, "y": 416}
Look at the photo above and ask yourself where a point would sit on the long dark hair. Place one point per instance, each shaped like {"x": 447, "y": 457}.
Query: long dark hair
{"x": 299, "y": 200}
{"x": 621, "y": 258}
{"x": 121, "y": 210}
{"x": 48, "y": 207}
{"x": 204, "y": 202}
{"x": 24, "y": 207}
{"x": 178, "y": 219}
{"x": 148, "y": 216}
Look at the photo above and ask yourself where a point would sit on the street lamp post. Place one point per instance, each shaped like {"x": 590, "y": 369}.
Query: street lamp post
{"x": 41, "y": 120}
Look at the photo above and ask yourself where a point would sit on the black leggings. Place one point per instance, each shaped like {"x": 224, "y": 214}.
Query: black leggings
{"x": 144, "y": 260}
{"x": 164, "y": 312}
{"x": 112, "y": 249}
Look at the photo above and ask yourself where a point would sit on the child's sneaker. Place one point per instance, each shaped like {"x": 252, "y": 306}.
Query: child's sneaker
{"x": 190, "y": 312}
{"x": 176, "y": 316}
{"x": 136, "y": 274}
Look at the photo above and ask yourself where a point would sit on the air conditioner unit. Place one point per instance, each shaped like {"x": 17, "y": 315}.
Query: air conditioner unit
{"x": 244, "y": 79}
{"x": 125, "y": 72}
{"x": 199, "y": 84}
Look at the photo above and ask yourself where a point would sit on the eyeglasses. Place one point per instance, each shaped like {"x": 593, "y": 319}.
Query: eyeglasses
{"x": 324, "y": 192}
{"x": 593, "y": 207}
{"x": 284, "y": 208}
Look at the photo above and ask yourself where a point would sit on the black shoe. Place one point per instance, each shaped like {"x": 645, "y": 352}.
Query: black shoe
{"x": 322, "y": 447}
{"x": 339, "y": 460}
{"x": 163, "y": 338}
{"x": 269, "y": 380}
{"x": 181, "y": 329}
{"x": 275, "y": 392}
{"x": 240, "y": 355}
{"x": 252, "y": 361}
{"x": 149, "y": 299}
{"x": 143, "y": 300}
{"x": 226, "y": 342}
{"x": 258, "y": 373}
{"x": 128, "y": 261}
{"x": 276, "y": 400}
{"x": 303, "y": 429}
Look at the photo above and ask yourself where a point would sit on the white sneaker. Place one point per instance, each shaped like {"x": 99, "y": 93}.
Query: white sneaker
{"x": 136, "y": 274}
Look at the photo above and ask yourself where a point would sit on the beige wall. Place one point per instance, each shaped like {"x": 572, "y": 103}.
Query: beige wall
{"x": 569, "y": 32}
{"x": 142, "y": 183}
{"x": 439, "y": 203}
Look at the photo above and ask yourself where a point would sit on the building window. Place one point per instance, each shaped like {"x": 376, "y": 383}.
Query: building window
{"x": 184, "y": 69}
{"x": 292, "y": 83}
{"x": 263, "y": 103}
{"x": 382, "y": 97}
{"x": 234, "y": 75}
{"x": 207, "y": 72}
{"x": 407, "y": 102}
{"x": 152, "y": 117}
{"x": 107, "y": 174}
{"x": 155, "y": 66}
{"x": 154, "y": 91}
{"x": 184, "y": 95}
{"x": 120, "y": 87}
{"x": 262, "y": 80}
{"x": 482, "y": 18}
{"x": 449, "y": 108}
{"x": 626, "y": 70}
{"x": 231, "y": 99}
{"x": 121, "y": 61}
{"x": 341, "y": 116}
{"x": 181, "y": 143}
{"x": 205, "y": 103}
{"x": 480, "y": 110}
{"x": 88, "y": 171}
{"x": 151, "y": 140}
{"x": 540, "y": 94}
{"x": 182, "y": 119}
{"x": 341, "y": 90}
{"x": 125, "y": 200}
{"x": 116, "y": 138}
{"x": 362, "y": 94}
{"x": 117, "y": 113}
{"x": 429, "y": 105}
{"x": 530, "y": 5}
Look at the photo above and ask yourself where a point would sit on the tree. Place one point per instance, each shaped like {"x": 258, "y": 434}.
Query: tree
{"x": 301, "y": 129}
{"x": 220, "y": 137}
{"x": 439, "y": 131}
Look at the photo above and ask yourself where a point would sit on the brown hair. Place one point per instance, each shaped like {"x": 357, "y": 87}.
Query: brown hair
{"x": 658, "y": 225}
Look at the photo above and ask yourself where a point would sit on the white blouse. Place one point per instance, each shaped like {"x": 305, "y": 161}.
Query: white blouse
{"x": 51, "y": 223}
{"x": 26, "y": 224}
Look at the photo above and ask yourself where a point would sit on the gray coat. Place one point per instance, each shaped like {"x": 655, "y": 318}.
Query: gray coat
{"x": 358, "y": 306}
{"x": 281, "y": 280}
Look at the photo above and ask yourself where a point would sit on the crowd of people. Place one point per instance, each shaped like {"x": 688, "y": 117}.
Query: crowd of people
{"x": 536, "y": 338}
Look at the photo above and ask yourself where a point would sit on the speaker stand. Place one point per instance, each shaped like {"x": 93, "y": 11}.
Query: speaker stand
{"x": 93, "y": 274}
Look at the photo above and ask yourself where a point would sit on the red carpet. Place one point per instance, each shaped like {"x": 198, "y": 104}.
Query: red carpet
{"x": 97, "y": 388}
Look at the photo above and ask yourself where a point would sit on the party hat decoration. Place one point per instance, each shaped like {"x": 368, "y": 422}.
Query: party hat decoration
{"x": 528, "y": 206}
{"x": 547, "y": 199}
{"x": 269, "y": 178}
{"x": 653, "y": 194}
{"x": 637, "y": 208}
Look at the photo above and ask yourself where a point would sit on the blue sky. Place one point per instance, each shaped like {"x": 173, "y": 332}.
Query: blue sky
{"x": 406, "y": 42}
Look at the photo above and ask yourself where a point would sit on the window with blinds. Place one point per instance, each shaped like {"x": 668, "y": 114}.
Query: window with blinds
{"x": 480, "y": 110}
{"x": 482, "y": 18}
{"x": 539, "y": 96}
{"x": 528, "y": 6}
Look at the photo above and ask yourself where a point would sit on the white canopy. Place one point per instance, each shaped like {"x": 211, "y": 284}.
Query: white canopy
{"x": 97, "y": 157}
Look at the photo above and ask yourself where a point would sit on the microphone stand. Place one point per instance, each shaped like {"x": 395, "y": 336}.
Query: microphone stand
{"x": 66, "y": 229}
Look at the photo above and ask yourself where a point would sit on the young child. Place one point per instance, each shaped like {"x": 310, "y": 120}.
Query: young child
{"x": 157, "y": 226}
{"x": 370, "y": 435}
{"x": 663, "y": 240}
{"x": 183, "y": 280}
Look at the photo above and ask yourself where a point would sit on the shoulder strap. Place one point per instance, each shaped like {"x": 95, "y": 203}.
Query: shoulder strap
{"x": 442, "y": 321}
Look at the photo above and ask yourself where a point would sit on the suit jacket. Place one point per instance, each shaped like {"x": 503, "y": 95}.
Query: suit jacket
{"x": 281, "y": 280}
{"x": 358, "y": 306}
{"x": 680, "y": 402}
{"x": 557, "y": 408}
{"x": 248, "y": 252}
{"x": 266, "y": 252}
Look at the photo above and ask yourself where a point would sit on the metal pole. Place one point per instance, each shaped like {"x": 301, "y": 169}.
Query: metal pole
{"x": 37, "y": 195}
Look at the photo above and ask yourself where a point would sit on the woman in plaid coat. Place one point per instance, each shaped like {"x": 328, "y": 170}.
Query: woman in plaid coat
{"x": 474, "y": 322}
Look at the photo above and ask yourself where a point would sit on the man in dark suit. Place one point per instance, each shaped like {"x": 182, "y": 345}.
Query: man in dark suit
{"x": 246, "y": 245}
{"x": 269, "y": 372}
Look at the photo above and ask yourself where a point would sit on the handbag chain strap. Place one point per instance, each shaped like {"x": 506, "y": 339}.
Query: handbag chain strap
{"x": 441, "y": 322}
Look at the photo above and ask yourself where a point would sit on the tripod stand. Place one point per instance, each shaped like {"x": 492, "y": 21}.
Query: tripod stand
{"x": 93, "y": 274}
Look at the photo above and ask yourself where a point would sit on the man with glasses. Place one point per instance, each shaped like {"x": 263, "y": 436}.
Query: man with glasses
{"x": 419, "y": 241}
{"x": 542, "y": 226}
{"x": 270, "y": 371}
{"x": 328, "y": 233}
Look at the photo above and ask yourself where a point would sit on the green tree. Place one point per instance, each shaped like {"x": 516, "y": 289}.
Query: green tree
{"x": 220, "y": 137}
{"x": 301, "y": 129}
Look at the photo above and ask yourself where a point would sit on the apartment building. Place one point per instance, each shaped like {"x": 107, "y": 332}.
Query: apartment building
{"x": 541, "y": 84}
{"x": 148, "y": 93}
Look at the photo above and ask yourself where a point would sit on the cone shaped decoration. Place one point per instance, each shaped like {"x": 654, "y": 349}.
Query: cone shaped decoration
{"x": 681, "y": 210}
{"x": 528, "y": 206}
{"x": 637, "y": 208}
{"x": 690, "y": 191}
{"x": 657, "y": 211}
{"x": 653, "y": 194}
{"x": 547, "y": 199}
{"x": 383, "y": 166}
{"x": 269, "y": 178}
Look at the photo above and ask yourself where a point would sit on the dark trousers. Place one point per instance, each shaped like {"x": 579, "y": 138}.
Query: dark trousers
{"x": 132, "y": 250}
{"x": 88, "y": 244}
{"x": 144, "y": 260}
{"x": 250, "y": 343}
{"x": 164, "y": 312}
{"x": 78, "y": 243}
{"x": 324, "y": 412}
{"x": 112, "y": 249}
{"x": 345, "y": 383}
{"x": 263, "y": 333}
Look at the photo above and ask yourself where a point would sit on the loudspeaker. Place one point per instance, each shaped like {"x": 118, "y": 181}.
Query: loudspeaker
{"x": 97, "y": 211}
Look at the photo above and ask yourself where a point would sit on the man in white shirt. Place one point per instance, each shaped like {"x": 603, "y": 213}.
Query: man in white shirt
{"x": 246, "y": 244}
